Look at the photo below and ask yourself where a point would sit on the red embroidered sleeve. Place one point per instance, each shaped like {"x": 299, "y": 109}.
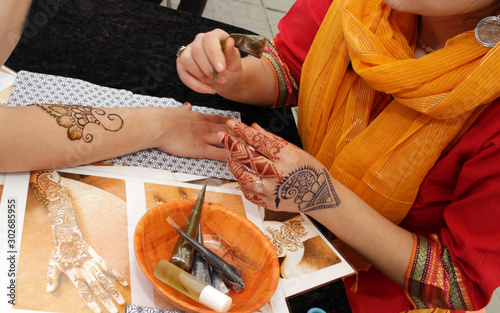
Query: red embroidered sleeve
{"x": 432, "y": 280}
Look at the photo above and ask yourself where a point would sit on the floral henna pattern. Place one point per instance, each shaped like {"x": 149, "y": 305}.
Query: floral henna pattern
{"x": 57, "y": 203}
{"x": 108, "y": 285}
{"x": 71, "y": 253}
{"x": 287, "y": 237}
{"x": 75, "y": 118}
{"x": 309, "y": 188}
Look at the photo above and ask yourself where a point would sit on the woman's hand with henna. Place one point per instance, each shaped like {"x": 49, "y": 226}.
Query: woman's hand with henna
{"x": 275, "y": 173}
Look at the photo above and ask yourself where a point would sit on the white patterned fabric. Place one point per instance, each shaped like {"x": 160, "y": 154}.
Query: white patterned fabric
{"x": 34, "y": 88}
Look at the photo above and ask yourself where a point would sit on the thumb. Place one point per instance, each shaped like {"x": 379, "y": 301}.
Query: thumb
{"x": 233, "y": 56}
{"x": 52, "y": 276}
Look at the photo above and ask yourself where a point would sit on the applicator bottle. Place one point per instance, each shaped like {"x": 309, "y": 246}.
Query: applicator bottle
{"x": 192, "y": 287}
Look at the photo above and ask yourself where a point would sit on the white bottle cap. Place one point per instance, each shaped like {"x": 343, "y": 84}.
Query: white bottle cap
{"x": 215, "y": 300}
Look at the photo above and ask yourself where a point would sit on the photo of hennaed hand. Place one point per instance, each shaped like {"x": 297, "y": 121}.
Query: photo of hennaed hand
{"x": 74, "y": 252}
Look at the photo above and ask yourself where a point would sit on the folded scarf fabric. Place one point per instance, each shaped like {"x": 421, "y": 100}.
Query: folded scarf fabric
{"x": 381, "y": 124}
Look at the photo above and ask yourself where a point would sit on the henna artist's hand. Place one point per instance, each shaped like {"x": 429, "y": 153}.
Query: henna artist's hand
{"x": 72, "y": 255}
{"x": 275, "y": 173}
{"x": 196, "y": 64}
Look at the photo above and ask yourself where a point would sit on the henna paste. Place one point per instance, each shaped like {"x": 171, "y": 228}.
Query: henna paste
{"x": 75, "y": 118}
{"x": 309, "y": 188}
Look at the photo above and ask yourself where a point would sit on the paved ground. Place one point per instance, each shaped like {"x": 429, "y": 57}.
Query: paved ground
{"x": 260, "y": 16}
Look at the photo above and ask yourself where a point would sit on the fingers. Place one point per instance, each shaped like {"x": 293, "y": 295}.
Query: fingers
{"x": 106, "y": 269}
{"x": 258, "y": 163}
{"x": 83, "y": 290}
{"x": 53, "y": 273}
{"x": 94, "y": 286}
{"x": 198, "y": 61}
{"x": 104, "y": 285}
{"x": 262, "y": 141}
{"x": 100, "y": 286}
{"x": 91, "y": 282}
{"x": 247, "y": 181}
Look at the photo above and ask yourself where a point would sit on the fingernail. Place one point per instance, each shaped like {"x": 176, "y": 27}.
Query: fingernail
{"x": 220, "y": 136}
{"x": 185, "y": 103}
{"x": 219, "y": 67}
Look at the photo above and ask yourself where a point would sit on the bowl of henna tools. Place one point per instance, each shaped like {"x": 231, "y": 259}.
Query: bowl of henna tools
{"x": 203, "y": 257}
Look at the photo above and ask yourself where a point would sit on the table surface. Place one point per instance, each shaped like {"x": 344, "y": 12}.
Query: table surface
{"x": 131, "y": 44}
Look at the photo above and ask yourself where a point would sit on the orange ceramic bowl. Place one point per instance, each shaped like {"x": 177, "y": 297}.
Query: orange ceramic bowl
{"x": 242, "y": 244}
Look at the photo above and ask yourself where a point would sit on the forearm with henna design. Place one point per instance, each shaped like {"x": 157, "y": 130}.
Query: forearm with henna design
{"x": 75, "y": 118}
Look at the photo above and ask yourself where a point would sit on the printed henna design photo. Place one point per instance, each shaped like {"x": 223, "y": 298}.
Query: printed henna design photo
{"x": 70, "y": 220}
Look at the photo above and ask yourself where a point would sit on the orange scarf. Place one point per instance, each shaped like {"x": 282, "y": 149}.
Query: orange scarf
{"x": 384, "y": 158}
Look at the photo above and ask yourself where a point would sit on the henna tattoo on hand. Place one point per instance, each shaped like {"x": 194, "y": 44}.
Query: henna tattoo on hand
{"x": 75, "y": 118}
{"x": 309, "y": 188}
{"x": 251, "y": 159}
{"x": 266, "y": 146}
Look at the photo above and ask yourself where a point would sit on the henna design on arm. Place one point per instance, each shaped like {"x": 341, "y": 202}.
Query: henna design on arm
{"x": 309, "y": 188}
{"x": 75, "y": 118}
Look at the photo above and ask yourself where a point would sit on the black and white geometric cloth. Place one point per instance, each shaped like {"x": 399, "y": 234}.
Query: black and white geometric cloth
{"x": 34, "y": 88}
{"x": 133, "y": 308}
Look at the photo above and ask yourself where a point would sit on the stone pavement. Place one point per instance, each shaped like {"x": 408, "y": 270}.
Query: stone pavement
{"x": 260, "y": 16}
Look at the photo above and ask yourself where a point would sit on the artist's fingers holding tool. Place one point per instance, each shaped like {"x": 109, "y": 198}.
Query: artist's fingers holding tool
{"x": 190, "y": 72}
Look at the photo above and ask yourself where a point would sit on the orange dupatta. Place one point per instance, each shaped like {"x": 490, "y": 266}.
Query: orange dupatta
{"x": 436, "y": 98}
